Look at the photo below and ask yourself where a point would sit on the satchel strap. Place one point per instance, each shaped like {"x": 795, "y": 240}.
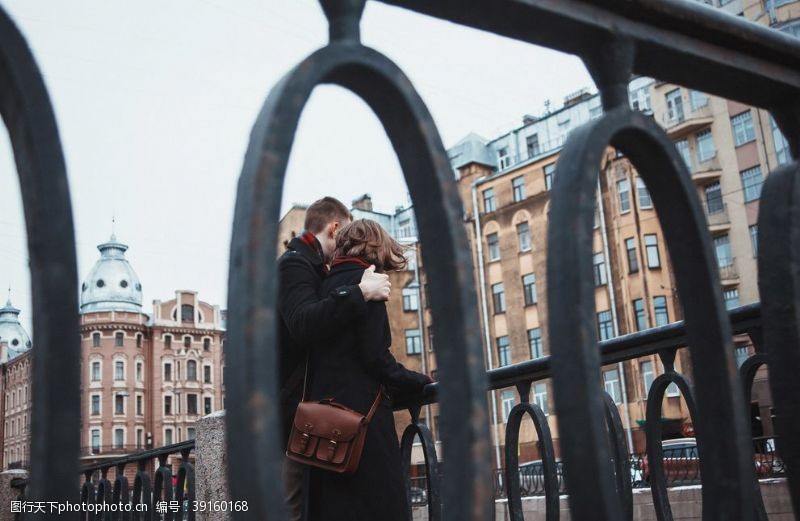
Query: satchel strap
{"x": 375, "y": 404}
{"x": 372, "y": 409}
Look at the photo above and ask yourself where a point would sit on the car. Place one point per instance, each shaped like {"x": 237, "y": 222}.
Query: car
{"x": 681, "y": 462}
{"x": 418, "y": 496}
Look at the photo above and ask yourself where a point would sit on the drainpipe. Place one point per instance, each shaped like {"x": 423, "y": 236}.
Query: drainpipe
{"x": 485, "y": 313}
{"x": 613, "y": 302}
{"x": 421, "y": 322}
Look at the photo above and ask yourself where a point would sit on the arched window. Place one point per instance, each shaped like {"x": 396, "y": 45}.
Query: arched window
{"x": 191, "y": 370}
{"x": 187, "y": 313}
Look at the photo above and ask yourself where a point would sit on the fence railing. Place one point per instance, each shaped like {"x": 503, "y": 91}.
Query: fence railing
{"x": 670, "y": 40}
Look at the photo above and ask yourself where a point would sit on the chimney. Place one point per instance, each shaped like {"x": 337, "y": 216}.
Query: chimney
{"x": 363, "y": 203}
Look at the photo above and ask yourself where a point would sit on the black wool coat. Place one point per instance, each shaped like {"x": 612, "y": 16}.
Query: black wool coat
{"x": 350, "y": 367}
{"x": 306, "y": 317}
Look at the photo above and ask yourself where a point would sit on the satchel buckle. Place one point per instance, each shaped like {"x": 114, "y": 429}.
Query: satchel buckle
{"x": 304, "y": 441}
{"x": 331, "y": 449}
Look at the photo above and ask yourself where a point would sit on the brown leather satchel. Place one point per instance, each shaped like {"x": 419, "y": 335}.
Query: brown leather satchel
{"x": 328, "y": 435}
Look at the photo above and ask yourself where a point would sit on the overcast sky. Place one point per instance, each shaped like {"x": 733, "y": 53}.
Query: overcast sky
{"x": 155, "y": 101}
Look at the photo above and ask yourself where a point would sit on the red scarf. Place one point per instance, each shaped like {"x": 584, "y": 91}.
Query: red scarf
{"x": 344, "y": 259}
{"x": 310, "y": 239}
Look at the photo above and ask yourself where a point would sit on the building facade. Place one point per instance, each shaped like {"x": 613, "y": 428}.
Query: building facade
{"x": 145, "y": 379}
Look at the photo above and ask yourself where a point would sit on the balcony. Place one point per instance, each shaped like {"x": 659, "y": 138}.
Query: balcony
{"x": 706, "y": 171}
{"x": 717, "y": 217}
{"x": 679, "y": 122}
{"x": 728, "y": 274}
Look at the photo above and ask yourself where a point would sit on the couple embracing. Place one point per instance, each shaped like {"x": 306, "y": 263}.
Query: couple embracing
{"x": 334, "y": 343}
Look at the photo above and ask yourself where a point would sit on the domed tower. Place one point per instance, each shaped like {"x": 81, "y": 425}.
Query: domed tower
{"x": 114, "y": 350}
{"x": 13, "y": 337}
{"x": 112, "y": 285}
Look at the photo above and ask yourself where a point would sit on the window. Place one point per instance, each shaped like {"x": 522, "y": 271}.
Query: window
{"x": 508, "y": 401}
{"x": 605, "y": 328}
{"x": 119, "y": 438}
{"x": 672, "y": 390}
{"x": 643, "y": 193}
{"x": 651, "y": 249}
{"x": 167, "y": 341}
{"x": 138, "y": 340}
{"x": 187, "y": 341}
{"x": 713, "y": 195}
{"x": 187, "y": 313}
{"x": 599, "y": 262}
{"x": 697, "y": 99}
{"x": 207, "y": 408}
{"x": 95, "y": 404}
{"x": 754, "y": 239}
{"x": 139, "y": 405}
{"x": 499, "y": 298}
{"x": 411, "y": 298}
{"x": 95, "y": 371}
{"x": 646, "y": 370}
{"x": 751, "y": 182}
{"x": 168, "y": 372}
{"x": 540, "y": 396}
{"x": 413, "y": 342}
{"x": 529, "y": 289}
{"x": 742, "y": 354}
{"x": 624, "y": 191}
{"x": 674, "y": 106}
{"x": 705, "y": 146}
{"x": 206, "y": 344}
{"x": 535, "y": 343}
{"x": 191, "y": 403}
{"x": 549, "y": 172}
{"x": 488, "y": 200}
{"x": 640, "y": 314}
{"x": 532, "y": 145}
{"x": 518, "y": 186}
{"x": 190, "y": 433}
{"x": 119, "y": 404}
{"x": 633, "y": 260}
{"x": 524, "y": 236}
{"x": 683, "y": 150}
{"x": 207, "y": 374}
{"x": 119, "y": 339}
{"x": 95, "y": 440}
{"x": 503, "y": 351}
{"x": 191, "y": 370}
{"x": 742, "y": 126}
{"x": 611, "y": 383}
{"x": 95, "y": 339}
{"x": 167, "y": 405}
{"x": 167, "y": 436}
{"x": 660, "y": 311}
{"x": 494, "y": 246}
{"x": 722, "y": 248}
{"x": 139, "y": 440}
{"x": 503, "y": 159}
{"x": 139, "y": 372}
{"x": 731, "y": 297}
{"x": 781, "y": 145}
{"x": 119, "y": 370}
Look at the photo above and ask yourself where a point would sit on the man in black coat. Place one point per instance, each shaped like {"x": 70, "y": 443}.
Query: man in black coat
{"x": 307, "y": 317}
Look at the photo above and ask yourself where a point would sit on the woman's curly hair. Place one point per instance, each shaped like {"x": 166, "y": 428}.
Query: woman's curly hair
{"x": 367, "y": 240}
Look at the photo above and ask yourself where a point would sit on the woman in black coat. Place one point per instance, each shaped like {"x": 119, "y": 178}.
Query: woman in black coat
{"x": 351, "y": 367}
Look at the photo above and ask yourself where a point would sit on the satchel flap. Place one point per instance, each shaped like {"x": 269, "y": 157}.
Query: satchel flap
{"x": 327, "y": 421}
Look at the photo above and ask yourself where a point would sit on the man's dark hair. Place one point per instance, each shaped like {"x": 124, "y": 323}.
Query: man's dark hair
{"x": 325, "y": 211}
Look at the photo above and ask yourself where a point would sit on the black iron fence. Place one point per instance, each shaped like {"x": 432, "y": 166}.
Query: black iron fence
{"x": 672, "y": 40}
